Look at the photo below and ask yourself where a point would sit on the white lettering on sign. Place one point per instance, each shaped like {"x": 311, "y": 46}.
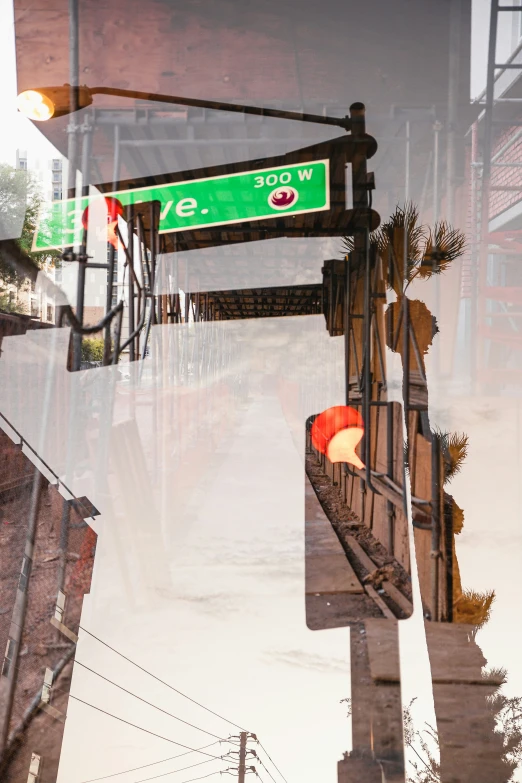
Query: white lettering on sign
{"x": 305, "y": 174}
{"x": 186, "y": 207}
{"x": 165, "y": 211}
{"x": 76, "y": 221}
{"x": 272, "y": 179}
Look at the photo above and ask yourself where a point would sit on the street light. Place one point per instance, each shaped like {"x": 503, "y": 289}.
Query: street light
{"x": 42, "y": 103}
{"x": 46, "y": 102}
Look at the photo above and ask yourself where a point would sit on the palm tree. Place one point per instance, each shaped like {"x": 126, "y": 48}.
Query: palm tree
{"x": 412, "y": 250}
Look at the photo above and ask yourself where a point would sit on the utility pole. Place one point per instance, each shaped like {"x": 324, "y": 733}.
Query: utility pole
{"x": 242, "y": 757}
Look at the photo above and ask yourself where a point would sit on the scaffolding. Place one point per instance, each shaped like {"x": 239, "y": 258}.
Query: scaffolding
{"x": 495, "y": 335}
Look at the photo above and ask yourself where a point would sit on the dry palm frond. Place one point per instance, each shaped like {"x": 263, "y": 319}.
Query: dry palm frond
{"x": 410, "y": 250}
{"x": 458, "y": 518}
{"x": 443, "y": 245}
{"x": 399, "y": 243}
{"x": 494, "y": 675}
{"x": 402, "y": 224}
{"x": 473, "y": 608}
{"x": 454, "y": 447}
{"x": 457, "y": 453}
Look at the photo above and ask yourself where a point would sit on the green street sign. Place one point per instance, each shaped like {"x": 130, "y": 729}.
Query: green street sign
{"x": 201, "y": 203}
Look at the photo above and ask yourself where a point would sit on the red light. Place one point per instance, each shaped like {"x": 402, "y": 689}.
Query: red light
{"x": 336, "y": 432}
{"x": 114, "y": 210}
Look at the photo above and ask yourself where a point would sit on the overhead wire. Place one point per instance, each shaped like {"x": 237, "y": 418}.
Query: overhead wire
{"x": 162, "y": 681}
{"x": 259, "y": 776}
{"x": 151, "y": 764}
{"x": 218, "y": 772}
{"x": 192, "y": 725}
{"x": 173, "y": 771}
{"x": 271, "y": 759}
{"x": 265, "y": 767}
{"x": 181, "y": 769}
{"x": 147, "y": 731}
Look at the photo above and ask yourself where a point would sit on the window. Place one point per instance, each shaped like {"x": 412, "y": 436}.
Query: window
{"x": 57, "y": 165}
{"x": 50, "y": 313}
{"x": 22, "y": 164}
{"x": 57, "y": 176}
{"x": 35, "y": 309}
{"x": 57, "y": 194}
{"x": 114, "y": 300}
{"x": 47, "y": 685}
{"x": 58, "y": 274}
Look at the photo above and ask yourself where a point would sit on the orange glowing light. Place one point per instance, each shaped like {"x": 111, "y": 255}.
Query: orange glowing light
{"x": 35, "y": 105}
{"x": 114, "y": 210}
{"x": 45, "y": 102}
{"x": 336, "y": 432}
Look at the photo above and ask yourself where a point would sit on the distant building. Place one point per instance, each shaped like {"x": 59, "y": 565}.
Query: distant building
{"x": 50, "y": 175}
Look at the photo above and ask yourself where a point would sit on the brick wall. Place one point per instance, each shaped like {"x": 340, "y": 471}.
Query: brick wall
{"x": 500, "y": 200}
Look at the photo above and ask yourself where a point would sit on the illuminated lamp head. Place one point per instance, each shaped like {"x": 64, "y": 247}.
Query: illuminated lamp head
{"x": 336, "y": 432}
{"x": 114, "y": 211}
{"x": 45, "y": 102}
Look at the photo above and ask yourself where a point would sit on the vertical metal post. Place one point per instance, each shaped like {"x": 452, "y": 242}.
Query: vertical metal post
{"x": 480, "y": 273}
{"x": 367, "y": 348}
{"x": 406, "y": 356}
{"x": 242, "y": 757}
{"x": 407, "y": 164}
{"x": 72, "y": 154}
{"x": 82, "y": 255}
{"x": 153, "y": 260}
{"x": 389, "y": 468}
{"x": 112, "y": 259}
{"x": 9, "y": 672}
{"x": 435, "y": 523}
{"x": 74, "y": 96}
{"x": 347, "y": 324}
{"x": 471, "y": 320}
{"x": 64, "y": 542}
{"x": 437, "y": 127}
{"x": 453, "y": 84}
{"x": 362, "y": 260}
{"x": 130, "y": 282}
{"x": 448, "y": 536}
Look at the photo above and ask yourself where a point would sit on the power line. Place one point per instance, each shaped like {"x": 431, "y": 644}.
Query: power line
{"x": 152, "y": 764}
{"x": 218, "y": 772}
{"x": 162, "y": 775}
{"x": 99, "y": 709}
{"x": 259, "y": 776}
{"x": 265, "y": 767}
{"x": 148, "y": 702}
{"x": 273, "y": 762}
{"x": 162, "y": 681}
